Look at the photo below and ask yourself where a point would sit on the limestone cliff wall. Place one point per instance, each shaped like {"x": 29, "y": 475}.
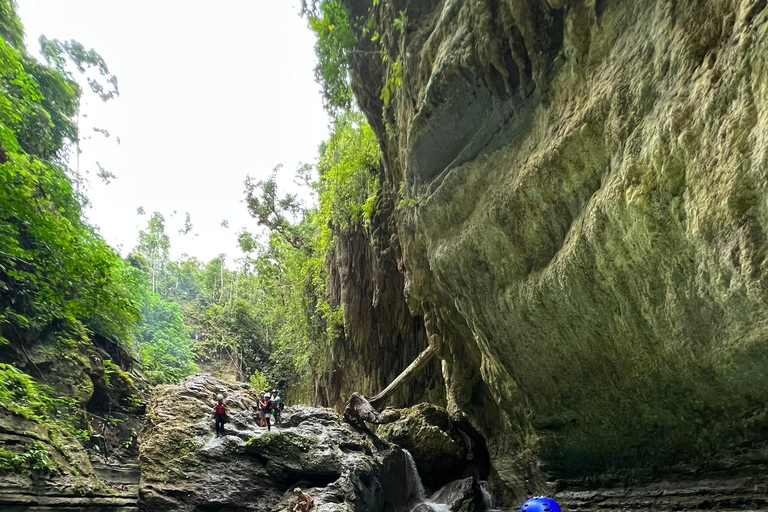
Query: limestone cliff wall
{"x": 381, "y": 336}
{"x": 583, "y": 220}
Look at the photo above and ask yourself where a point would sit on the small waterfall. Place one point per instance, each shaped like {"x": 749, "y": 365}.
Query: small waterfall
{"x": 487, "y": 498}
{"x": 415, "y": 487}
{"x": 417, "y": 495}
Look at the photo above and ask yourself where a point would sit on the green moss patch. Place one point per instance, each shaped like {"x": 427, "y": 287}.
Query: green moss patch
{"x": 283, "y": 444}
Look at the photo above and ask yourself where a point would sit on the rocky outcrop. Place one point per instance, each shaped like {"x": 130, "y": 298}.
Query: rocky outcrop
{"x": 185, "y": 467}
{"x": 42, "y": 467}
{"x": 582, "y": 221}
{"x": 443, "y": 449}
{"x": 68, "y": 426}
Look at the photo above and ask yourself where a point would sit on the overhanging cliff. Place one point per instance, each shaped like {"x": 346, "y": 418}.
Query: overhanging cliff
{"x": 580, "y": 214}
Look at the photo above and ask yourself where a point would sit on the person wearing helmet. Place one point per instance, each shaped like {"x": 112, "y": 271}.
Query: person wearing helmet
{"x": 263, "y": 407}
{"x": 220, "y": 414}
{"x": 540, "y": 504}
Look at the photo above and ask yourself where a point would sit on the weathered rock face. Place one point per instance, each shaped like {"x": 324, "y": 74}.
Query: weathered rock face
{"x": 442, "y": 450}
{"x": 186, "y": 468}
{"x": 67, "y": 429}
{"x": 381, "y": 336}
{"x": 584, "y": 224}
{"x": 51, "y": 470}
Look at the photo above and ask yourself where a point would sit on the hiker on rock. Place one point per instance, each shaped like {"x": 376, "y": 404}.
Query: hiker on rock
{"x": 261, "y": 409}
{"x": 259, "y": 421}
{"x": 220, "y": 415}
{"x": 265, "y": 403}
{"x": 277, "y": 406}
{"x": 304, "y": 501}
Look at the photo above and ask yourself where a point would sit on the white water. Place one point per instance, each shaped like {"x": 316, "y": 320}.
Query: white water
{"x": 417, "y": 495}
{"x": 415, "y": 487}
{"x": 487, "y": 498}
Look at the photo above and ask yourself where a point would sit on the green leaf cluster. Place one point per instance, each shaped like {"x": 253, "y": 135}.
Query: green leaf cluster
{"x": 34, "y": 458}
{"x": 55, "y": 271}
{"x": 335, "y": 44}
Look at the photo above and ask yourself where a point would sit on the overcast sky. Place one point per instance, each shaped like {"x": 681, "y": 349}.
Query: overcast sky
{"x": 210, "y": 91}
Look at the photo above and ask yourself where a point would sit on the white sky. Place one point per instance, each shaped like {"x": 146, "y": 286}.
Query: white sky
{"x": 210, "y": 91}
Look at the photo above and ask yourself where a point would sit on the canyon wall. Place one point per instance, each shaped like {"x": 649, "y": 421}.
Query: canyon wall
{"x": 579, "y": 210}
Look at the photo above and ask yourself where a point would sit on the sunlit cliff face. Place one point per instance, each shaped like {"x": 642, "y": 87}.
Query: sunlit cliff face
{"x": 583, "y": 222}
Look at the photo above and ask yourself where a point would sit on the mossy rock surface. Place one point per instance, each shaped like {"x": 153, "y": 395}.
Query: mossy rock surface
{"x": 186, "y": 468}
{"x": 440, "y": 448}
{"x": 584, "y": 224}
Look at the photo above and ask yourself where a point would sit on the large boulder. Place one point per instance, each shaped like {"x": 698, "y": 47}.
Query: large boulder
{"x": 185, "y": 467}
{"x": 442, "y": 450}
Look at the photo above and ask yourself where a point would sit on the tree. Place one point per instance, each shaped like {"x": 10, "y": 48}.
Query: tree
{"x": 273, "y": 212}
{"x": 154, "y": 245}
{"x": 187, "y": 225}
{"x": 56, "y": 273}
{"x": 62, "y": 56}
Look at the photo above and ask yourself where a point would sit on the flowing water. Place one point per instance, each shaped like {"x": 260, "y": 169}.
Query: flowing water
{"x": 418, "y": 500}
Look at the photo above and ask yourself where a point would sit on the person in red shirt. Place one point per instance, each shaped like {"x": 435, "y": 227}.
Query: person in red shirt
{"x": 220, "y": 415}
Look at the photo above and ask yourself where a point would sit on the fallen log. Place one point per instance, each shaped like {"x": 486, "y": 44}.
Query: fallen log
{"x": 360, "y": 409}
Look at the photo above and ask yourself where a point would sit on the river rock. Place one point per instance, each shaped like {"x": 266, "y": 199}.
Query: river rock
{"x": 463, "y": 495}
{"x": 185, "y": 467}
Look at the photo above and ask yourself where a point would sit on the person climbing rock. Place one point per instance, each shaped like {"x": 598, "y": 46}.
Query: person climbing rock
{"x": 220, "y": 415}
{"x": 304, "y": 503}
{"x": 540, "y": 504}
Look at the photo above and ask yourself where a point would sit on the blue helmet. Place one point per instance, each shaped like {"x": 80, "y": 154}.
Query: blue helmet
{"x": 540, "y": 504}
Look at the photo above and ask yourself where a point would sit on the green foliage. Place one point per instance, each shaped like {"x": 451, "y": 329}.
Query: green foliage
{"x": 34, "y": 458}
{"x": 10, "y": 25}
{"x": 116, "y": 377}
{"x": 258, "y": 381}
{"x": 394, "y": 80}
{"x": 335, "y": 42}
{"x": 153, "y": 246}
{"x": 292, "y": 299}
{"x": 54, "y": 270}
{"x": 22, "y": 396}
{"x": 348, "y": 168}
{"x": 59, "y": 54}
{"x": 273, "y": 212}
{"x": 164, "y": 343}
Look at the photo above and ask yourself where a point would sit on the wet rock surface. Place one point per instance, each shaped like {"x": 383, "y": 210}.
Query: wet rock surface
{"x": 186, "y": 468}
{"x": 463, "y": 495}
{"x": 441, "y": 449}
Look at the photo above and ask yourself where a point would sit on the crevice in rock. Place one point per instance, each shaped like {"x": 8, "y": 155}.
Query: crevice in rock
{"x": 310, "y": 479}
